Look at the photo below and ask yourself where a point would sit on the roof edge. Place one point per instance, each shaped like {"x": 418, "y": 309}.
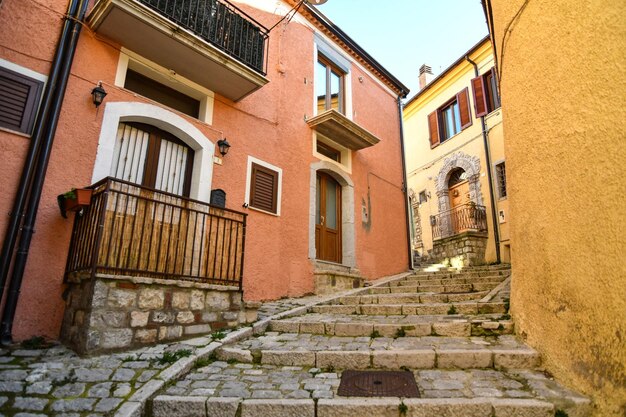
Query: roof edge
{"x": 447, "y": 70}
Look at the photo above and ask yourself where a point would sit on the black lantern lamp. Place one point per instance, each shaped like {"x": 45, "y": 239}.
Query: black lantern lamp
{"x": 98, "y": 94}
{"x": 223, "y": 145}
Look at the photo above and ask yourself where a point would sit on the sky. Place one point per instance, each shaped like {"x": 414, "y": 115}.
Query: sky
{"x": 404, "y": 34}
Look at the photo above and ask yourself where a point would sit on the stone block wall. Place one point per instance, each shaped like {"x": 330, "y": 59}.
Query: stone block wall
{"x": 115, "y": 313}
{"x": 464, "y": 249}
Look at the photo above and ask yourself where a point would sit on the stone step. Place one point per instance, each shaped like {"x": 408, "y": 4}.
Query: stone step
{"x": 236, "y": 389}
{"x": 293, "y": 349}
{"x": 471, "y": 308}
{"x": 413, "y": 298}
{"x": 395, "y": 289}
{"x": 385, "y": 326}
{"x": 450, "y": 280}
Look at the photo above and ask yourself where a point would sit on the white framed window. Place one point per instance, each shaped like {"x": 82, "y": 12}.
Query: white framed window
{"x": 501, "y": 179}
{"x": 329, "y": 150}
{"x": 333, "y": 86}
{"x": 20, "y": 95}
{"x": 149, "y": 79}
{"x": 263, "y": 186}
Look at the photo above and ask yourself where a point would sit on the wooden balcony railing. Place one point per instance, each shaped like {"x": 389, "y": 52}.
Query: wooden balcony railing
{"x": 132, "y": 230}
{"x": 222, "y": 24}
{"x": 465, "y": 218}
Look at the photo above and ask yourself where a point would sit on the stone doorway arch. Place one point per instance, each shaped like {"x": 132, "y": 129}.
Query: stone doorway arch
{"x": 471, "y": 166}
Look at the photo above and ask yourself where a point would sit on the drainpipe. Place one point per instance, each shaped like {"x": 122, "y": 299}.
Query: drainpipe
{"x": 23, "y": 188}
{"x": 405, "y": 185}
{"x": 78, "y": 9}
{"x": 494, "y": 216}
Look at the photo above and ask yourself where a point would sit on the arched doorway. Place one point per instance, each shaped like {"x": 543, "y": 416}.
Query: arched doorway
{"x": 328, "y": 240}
{"x": 459, "y": 196}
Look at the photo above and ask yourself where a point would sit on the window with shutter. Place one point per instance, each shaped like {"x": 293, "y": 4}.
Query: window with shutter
{"x": 464, "y": 108}
{"x": 264, "y": 188}
{"x": 19, "y": 98}
{"x": 450, "y": 119}
{"x": 485, "y": 92}
{"x": 433, "y": 127}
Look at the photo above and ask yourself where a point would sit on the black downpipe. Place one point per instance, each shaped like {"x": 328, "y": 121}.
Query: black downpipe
{"x": 405, "y": 187}
{"x": 21, "y": 257}
{"x": 494, "y": 215}
{"x": 23, "y": 189}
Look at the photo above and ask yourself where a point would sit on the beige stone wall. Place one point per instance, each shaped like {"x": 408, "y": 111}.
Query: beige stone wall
{"x": 563, "y": 87}
{"x": 425, "y": 164}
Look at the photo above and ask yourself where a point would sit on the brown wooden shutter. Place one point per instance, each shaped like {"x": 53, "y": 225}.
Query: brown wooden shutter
{"x": 19, "y": 96}
{"x": 480, "y": 96}
{"x": 264, "y": 188}
{"x": 464, "y": 108}
{"x": 433, "y": 129}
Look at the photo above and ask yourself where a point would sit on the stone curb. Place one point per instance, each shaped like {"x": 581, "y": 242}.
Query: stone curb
{"x": 423, "y": 358}
{"x": 496, "y": 290}
{"x": 173, "y": 406}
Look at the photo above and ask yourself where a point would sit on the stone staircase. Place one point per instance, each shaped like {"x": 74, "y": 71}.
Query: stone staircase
{"x": 448, "y": 329}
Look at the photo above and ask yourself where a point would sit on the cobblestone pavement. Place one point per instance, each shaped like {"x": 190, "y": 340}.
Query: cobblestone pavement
{"x": 252, "y": 381}
{"x": 54, "y": 381}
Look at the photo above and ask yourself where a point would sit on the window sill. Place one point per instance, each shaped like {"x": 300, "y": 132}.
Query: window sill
{"x": 15, "y": 132}
{"x": 264, "y": 211}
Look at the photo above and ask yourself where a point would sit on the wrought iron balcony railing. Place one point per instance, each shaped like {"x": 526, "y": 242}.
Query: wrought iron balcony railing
{"x": 465, "y": 218}
{"x": 132, "y": 230}
{"x": 220, "y": 23}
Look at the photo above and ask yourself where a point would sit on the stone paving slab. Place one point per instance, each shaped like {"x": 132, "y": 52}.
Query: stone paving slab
{"x": 413, "y": 308}
{"x": 343, "y": 352}
{"x": 237, "y": 382}
{"x": 390, "y": 326}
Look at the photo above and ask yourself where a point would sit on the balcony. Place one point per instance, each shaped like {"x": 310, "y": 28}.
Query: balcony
{"x": 130, "y": 230}
{"x": 210, "y": 42}
{"x": 461, "y": 219}
{"x": 342, "y": 130}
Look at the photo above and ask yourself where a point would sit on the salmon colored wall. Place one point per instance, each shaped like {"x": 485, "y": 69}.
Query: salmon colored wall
{"x": 268, "y": 125}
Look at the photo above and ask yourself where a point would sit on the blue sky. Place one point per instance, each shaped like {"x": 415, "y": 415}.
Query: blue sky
{"x": 404, "y": 34}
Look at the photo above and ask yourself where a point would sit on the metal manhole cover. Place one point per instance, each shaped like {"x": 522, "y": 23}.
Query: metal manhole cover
{"x": 378, "y": 384}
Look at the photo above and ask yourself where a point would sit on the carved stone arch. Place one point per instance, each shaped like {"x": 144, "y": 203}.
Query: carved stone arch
{"x": 166, "y": 120}
{"x": 348, "y": 237}
{"x": 471, "y": 166}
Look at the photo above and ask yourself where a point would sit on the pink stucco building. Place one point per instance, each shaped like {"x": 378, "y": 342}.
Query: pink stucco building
{"x": 315, "y": 167}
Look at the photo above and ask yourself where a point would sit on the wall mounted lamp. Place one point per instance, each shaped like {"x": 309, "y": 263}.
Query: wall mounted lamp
{"x": 223, "y": 146}
{"x": 98, "y": 94}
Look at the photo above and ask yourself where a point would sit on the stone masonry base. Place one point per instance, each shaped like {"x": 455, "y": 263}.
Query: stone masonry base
{"x": 464, "y": 249}
{"x": 116, "y": 313}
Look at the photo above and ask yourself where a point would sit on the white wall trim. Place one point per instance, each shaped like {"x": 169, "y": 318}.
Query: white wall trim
{"x": 279, "y": 192}
{"x": 129, "y": 59}
{"x": 23, "y": 70}
{"x": 117, "y": 112}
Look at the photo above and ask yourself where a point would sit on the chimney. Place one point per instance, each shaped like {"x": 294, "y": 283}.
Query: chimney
{"x": 426, "y": 75}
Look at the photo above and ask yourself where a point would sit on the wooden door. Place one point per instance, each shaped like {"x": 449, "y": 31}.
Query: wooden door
{"x": 459, "y": 196}
{"x": 328, "y": 219}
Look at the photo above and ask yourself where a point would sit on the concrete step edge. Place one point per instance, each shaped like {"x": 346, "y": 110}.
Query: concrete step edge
{"x": 176, "y": 406}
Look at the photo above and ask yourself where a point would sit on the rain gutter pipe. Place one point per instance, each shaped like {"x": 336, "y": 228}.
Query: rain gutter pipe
{"x": 494, "y": 216}
{"x": 23, "y": 188}
{"x": 405, "y": 186}
{"x": 48, "y": 125}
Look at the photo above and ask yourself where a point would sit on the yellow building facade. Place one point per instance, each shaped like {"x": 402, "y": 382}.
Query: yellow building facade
{"x": 454, "y": 150}
{"x": 562, "y": 81}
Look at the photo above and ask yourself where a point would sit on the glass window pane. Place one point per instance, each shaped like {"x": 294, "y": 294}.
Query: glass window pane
{"x": 320, "y": 86}
{"x": 331, "y": 205}
{"x": 335, "y": 91}
{"x": 318, "y": 200}
{"x": 457, "y": 118}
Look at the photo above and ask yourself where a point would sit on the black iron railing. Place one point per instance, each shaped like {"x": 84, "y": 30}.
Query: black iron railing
{"x": 220, "y": 23}
{"x": 465, "y": 218}
{"x": 132, "y": 230}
